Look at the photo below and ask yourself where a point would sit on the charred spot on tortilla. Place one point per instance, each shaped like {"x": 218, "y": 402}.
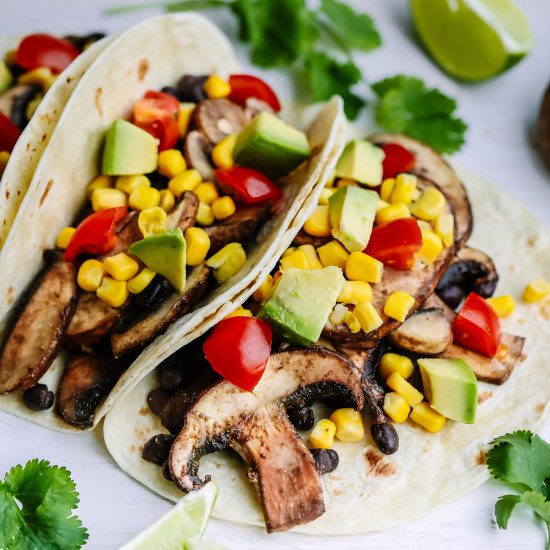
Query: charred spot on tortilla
{"x": 484, "y": 396}
{"x": 143, "y": 69}
{"x": 378, "y": 464}
{"x": 46, "y": 192}
{"x": 97, "y": 101}
{"x": 481, "y": 458}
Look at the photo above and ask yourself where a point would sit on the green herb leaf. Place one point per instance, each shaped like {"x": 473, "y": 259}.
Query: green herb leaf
{"x": 504, "y": 508}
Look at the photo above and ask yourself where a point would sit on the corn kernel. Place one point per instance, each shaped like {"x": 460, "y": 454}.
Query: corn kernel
{"x": 318, "y": 224}
{"x": 121, "y": 267}
{"x": 322, "y": 435}
{"x": 398, "y": 305}
{"x": 297, "y": 259}
{"x": 407, "y": 391}
{"x": 141, "y": 281}
{"x": 392, "y": 212}
{"x": 113, "y": 293}
{"x": 100, "y": 182}
{"x": 330, "y": 179}
{"x": 227, "y": 261}
{"x": 264, "y": 291}
{"x": 351, "y": 321}
{"x": 444, "y": 227}
{"x": 207, "y": 192}
{"x": 108, "y": 198}
{"x": 311, "y": 255}
{"x": 42, "y": 76}
{"x": 167, "y": 200}
{"x": 430, "y": 205}
{"x": 432, "y": 245}
{"x": 536, "y": 291}
{"x": 239, "y": 312}
{"x": 392, "y": 362}
{"x": 171, "y": 163}
{"x": 381, "y": 205}
{"x": 198, "y": 245}
{"x": 90, "y": 275}
{"x": 64, "y": 237}
{"x": 349, "y": 425}
{"x": 368, "y": 316}
{"x": 152, "y": 221}
{"x": 4, "y": 159}
{"x": 186, "y": 181}
{"x": 503, "y": 305}
{"x": 288, "y": 251}
{"x": 184, "y": 117}
{"x": 426, "y": 226}
{"x": 428, "y": 418}
{"x": 129, "y": 183}
{"x": 338, "y": 314}
{"x": 396, "y": 407}
{"x": 223, "y": 208}
{"x": 32, "y": 105}
{"x": 205, "y": 216}
{"x": 386, "y": 189}
{"x": 404, "y": 190}
{"x": 216, "y": 87}
{"x": 354, "y": 292}
{"x": 342, "y": 182}
{"x": 333, "y": 253}
{"x": 222, "y": 154}
{"x": 362, "y": 267}
{"x": 325, "y": 195}
{"x": 143, "y": 198}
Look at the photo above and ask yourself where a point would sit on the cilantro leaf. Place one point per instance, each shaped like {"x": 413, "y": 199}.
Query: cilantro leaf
{"x": 503, "y": 509}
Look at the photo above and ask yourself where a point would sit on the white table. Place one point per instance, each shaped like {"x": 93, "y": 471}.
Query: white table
{"x": 501, "y": 115}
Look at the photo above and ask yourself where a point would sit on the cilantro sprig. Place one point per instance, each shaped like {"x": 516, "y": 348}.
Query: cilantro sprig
{"x": 522, "y": 460}
{"x": 36, "y": 504}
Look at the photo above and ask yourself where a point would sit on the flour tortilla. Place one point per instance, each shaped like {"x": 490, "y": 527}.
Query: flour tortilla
{"x": 369, "y": 491}
{"x": 154, "y": 53}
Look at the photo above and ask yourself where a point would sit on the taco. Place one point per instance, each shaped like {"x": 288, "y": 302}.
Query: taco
{"x": 376, "y": 332}
{"x": 146, "y": 222}
{"x": 36, "y": 80}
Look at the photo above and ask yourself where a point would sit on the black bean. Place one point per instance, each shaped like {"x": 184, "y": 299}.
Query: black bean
{"x": 190, "y": 88}
{"x": 172, "y": 375}
{"x": 173, "y": 414}
{"x": 301, "y": 417}
{"x": 170, "y": 90}
{"x": 81, "y": 41}
{"x": 38, "y": 398}
{"x": 157, "y": 449}
{"x": 166, "y": 470}
{"x": 18, "y": 113}
{"x": 158, "y": 181}
{"x": 385, "y": 437}
{"x": 326, "y": 460}
{"x": 156, "y": 400}
{"x": 154, "y": 294}
{"x": 452, "y": 295}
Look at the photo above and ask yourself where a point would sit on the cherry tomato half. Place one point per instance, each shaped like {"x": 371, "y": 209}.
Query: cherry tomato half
{"x": 397, "y": 160}
{"x": 249, "y": 186}
{"x": 157, "y": 113}
{"x": 244, "y": 86}
{"x": 9, "y": 134}
{"x": 43, "y": 50}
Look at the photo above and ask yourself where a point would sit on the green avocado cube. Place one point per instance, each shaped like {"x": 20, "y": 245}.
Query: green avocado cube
{"x": 271, "y": 146}
{"x": 301, "y": 303}
{"x": 164, "y": 253}
{"x": 129, "y": 150}
{"x": 6, "y": 78}
{"x": 450, "y": 386}
{"x": 361, "y": 161}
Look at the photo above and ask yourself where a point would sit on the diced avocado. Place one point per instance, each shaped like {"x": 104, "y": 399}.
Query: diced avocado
{"x": 129, "y": 150}
{"x": 301, "y": 303}
{"x": 271, "y": 146}
{"x": 361, "y": 161}
{"x": 352, "y": 211}
{"x": 451, "y": 388}
{"x": 164, "y": 253}
{"x": 6, "y": 78}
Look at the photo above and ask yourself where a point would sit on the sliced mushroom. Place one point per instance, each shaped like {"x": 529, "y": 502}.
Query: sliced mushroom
{"x": 185, "y": 213}
{"x": 217, "y": 118}
{"x": 304, "y": 238}
{"x": 254, "y": 106}
{"x": 255, "y": 425}
{"x": 197, "y": 149}
{"x": 14, "y": 102}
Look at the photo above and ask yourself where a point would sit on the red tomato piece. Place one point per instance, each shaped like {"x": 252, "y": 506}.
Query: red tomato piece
{"x": 395, "y": 243}
{"x": 477, "y": 326}
{"x": 96, "y": 234}
{"x": 157, "y": 113}
{"x": 43, "y": 50}
{"x": 249, "y": 186}
{"x": 238, "y": 348}
{"x": 397, "y": 160}
{"x": 244, "y": 86}
{"x": 9, "y": 134}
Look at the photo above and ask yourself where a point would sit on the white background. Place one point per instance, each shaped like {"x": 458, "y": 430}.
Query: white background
{"x": 501, "y": 114}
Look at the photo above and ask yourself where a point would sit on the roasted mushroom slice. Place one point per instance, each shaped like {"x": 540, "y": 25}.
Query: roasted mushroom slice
{"x": 217, "y": 118}
{"x": 197, "y": 151}
{"x": 185, "y": 213}
{"x": 256, "y": 426}
{"x": 302, "y": 238}
{"x": 254, "y": 106}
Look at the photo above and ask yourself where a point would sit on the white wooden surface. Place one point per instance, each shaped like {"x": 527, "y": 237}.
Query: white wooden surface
{"x": 501, "y": 115}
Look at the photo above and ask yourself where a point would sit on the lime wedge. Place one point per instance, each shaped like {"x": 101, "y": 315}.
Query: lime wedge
{"x": 473, "y": 39}
{"x": 182, "y": 527}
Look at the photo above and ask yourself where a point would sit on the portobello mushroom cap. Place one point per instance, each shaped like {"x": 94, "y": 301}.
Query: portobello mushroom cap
{"x": 256, "y": 426}
{"x": 197, "y": 149}
{"x": 218, "y": 118}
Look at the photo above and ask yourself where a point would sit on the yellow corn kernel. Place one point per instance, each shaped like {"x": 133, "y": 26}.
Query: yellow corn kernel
{"x": 322, "y": 435}
{"x": 42, "y": 76}
{"x": 432, "y": 245}
{"x": 444, "y": 226}
{"x": 222, "y": 154}
{"x": 186, "y": 181}
{"x": 331, "y": 178}
{"x": 184, "y": 117}
{"x": 4, "y": 159}
{"x": 33, "y": 105}
{"x": 362, "y": 267}
{"x": 398, "y": 305}
{"x": 404, "y": 190}
{"x": 351, "y": 321}
{"x": 396, "y": 407}
{"x": 349, "y": 425}
{"x": 536, "y": 291}
{"x": 90, "y": 275}
{"x": 167, "y": 200}
{"x": 100, "y": 182}
{"x": 129, "y": 183}
{"x": 288, "y": 251}
{"x": 227, "y": 261}
{"x": 121, "y": 267}
{"x": 311, "y": 255}
{"x": 503, "y": 305}
{"x": 64, "y": 237}
{"x": 297, "y": 259}
{"x": 392, "y": 212}
{"x": 338, "y": 314}
{"x": 325, "y": 195}
{"x": 428, "y": 418}
{"x": 368, "y": 316}
{"x": 152, "y": 221}
{"x": 318, "y": 224}
{"x": 239, "y": 312}
{"x": 171, "y": 163}
{"x": 216, "y": 87}
{"x": 113, "y": 293}
{"x": 386, "y": 189}
{"x": 264, "y": 291}
{"x": 108, "y": 198}
{"x": 392, "y": 362}
{"x": 205, "y": 216}
{"x": 430, "y": 205}
{"x": 207, "y": 192}
{"x": 143, "y": 198}
{"x": 333, "y": 253}
{"x": 407, "y": 391}
{"x": 198, "y": 245}
{"x": 342, "y": 182}
{"x": 223, "y": 208}
{"x": 381, "y": 205}
{"x": 141, "y": 281}
{"x": 354, "y": 292}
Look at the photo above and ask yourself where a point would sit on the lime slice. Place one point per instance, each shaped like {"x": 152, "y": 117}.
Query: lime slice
{"x": 473, "y": 39}
{"x": 182, "y": 526}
